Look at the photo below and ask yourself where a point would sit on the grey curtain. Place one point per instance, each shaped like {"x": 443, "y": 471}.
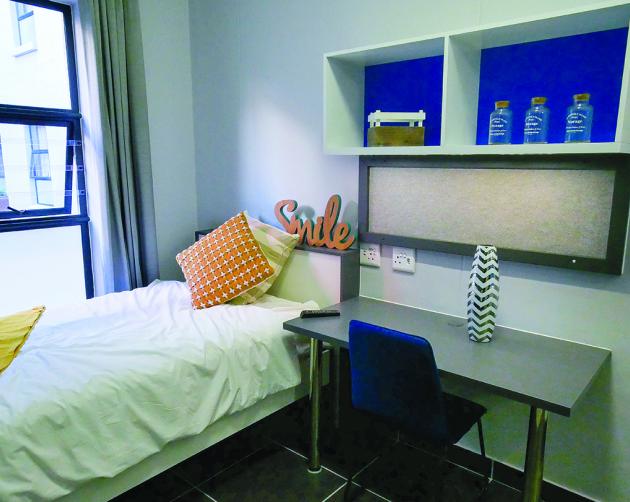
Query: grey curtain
{"x": 122, "y": 95}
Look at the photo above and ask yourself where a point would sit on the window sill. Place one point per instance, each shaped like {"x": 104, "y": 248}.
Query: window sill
{"x": 23, "y": 49}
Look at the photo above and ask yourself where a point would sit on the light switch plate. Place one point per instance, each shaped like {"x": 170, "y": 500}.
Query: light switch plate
{"x": 404, "y": 260}
{"x": 370, "y": 254}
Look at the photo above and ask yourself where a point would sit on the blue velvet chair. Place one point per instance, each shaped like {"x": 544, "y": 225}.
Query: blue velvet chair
{"x": 394, "y": 377}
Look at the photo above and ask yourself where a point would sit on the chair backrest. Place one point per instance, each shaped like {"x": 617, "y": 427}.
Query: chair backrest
{"x": 394, "y": 376}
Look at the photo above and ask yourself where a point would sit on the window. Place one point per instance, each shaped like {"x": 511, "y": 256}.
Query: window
{"x": 39, "y": 118}
{"x": 42, "y": 183}
{"x": 24, "y": 24}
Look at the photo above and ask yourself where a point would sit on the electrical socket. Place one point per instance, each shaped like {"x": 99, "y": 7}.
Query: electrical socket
{"x": 404, "y": 260}
{"x": 370, "y": 254}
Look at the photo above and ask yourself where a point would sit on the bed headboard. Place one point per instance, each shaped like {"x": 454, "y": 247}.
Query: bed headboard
{"x": 324, "y": 275}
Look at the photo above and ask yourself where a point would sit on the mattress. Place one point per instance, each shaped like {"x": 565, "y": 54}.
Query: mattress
{"x": 102, "y": 385}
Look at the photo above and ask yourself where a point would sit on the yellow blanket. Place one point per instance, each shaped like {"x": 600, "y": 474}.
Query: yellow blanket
{"x": 14, "y": 330}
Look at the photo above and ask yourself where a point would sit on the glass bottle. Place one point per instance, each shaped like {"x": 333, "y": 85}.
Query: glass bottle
{"x": 536, "y": 122}
{"x": 579, "y": 120}
{"x": 500, "y": 132}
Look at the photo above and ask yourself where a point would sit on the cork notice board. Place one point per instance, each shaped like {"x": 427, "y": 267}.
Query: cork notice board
{"x": 550, "y": 212}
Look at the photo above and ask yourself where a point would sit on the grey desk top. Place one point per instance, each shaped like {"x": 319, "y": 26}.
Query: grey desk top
{"x": 538, "y": 370}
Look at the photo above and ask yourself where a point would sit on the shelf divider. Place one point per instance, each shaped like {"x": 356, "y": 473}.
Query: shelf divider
{"x": 344, "y": 84}
{"x": 461, "y": 90}
{"x": 622, "y": 134}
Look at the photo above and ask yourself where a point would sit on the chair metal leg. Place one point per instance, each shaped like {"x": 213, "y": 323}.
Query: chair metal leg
{"x": 314, "y": 465}
{"x": 535, "y": 456}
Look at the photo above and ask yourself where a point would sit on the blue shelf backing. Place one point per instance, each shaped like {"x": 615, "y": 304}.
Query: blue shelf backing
{"x": 406, "y": 86}
{"x": 556, "y": 68}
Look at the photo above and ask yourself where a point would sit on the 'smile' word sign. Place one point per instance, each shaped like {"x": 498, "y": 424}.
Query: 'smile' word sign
{"x": 326, "y": 231}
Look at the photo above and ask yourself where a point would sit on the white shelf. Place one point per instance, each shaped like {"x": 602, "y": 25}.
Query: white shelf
{"x": 387, "y": 53}
{"x": 534, "y": 149}
{"x": 344, "y": 74}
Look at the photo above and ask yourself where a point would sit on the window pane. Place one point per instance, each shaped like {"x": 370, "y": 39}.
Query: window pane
{"x": 33, "y": 62}
{"x": 34, "y": 160}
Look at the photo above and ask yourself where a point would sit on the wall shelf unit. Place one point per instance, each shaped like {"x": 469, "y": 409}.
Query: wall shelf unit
{"x": 464, "y": 81}
{"x": 546, "y": 149}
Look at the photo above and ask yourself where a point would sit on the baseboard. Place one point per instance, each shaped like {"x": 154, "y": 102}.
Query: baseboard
{"x": 510, "y": 476}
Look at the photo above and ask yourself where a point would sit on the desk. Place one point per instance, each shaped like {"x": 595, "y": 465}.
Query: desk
{"x": 548, "y": 374}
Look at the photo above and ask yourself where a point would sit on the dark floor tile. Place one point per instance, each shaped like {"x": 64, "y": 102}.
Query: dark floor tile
{"x": 498, "y": 492}
{"x": 355, "y": 494}
{"x": 291, "y": 426}
{"x": 345, "y": 449}
{"x": 408, "y": 474}
{"x": 162, "y": 488}
{"x": 194, "y": 495}
{"x": 224, "y": 454}
{"x": 509, "y": 476}
{"x": 271, "y": 474}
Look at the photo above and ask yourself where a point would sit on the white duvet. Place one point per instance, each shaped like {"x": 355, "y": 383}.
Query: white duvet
{"x": 102, "y": 385}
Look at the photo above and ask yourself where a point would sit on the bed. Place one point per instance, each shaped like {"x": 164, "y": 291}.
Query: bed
{"x": 110, "y": 392}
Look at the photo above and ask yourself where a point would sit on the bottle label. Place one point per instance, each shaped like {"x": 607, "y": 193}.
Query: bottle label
{"x": 498, "y": 127}
{"x": 576, "y": 122}
{"x": 533, "y": 125}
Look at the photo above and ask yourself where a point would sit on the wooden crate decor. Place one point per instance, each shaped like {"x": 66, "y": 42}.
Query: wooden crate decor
{"x": 411, "y": 135}
{"x": 326, "y": 231}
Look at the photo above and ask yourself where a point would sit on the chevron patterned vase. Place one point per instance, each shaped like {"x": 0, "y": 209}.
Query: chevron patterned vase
{"x": 483, "y": 294}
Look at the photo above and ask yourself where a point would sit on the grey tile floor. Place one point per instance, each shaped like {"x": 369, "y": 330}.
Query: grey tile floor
{"x": 268, "y": 463}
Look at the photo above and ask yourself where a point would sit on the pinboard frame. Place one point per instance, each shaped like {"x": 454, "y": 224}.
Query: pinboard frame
{"x": 614, "y": 208}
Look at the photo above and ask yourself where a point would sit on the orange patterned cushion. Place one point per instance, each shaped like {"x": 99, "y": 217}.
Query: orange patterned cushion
{"x": 224, "y": 264}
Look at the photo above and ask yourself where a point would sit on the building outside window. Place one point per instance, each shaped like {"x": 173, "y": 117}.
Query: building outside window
{"x": 39, "y": 165}
{"x": 38, "y": 152}
{"x": 24, "y": 24}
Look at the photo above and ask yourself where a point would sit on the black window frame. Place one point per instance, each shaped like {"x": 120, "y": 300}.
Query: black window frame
{"x": 30, "y": 219}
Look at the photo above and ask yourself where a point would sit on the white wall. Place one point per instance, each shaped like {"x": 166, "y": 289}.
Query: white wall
{"x": 257, "y": 88}
{"x": 166, "y": 43}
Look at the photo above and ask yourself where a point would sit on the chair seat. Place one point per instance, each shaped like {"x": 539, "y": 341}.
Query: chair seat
{"x": 461, "y": 415}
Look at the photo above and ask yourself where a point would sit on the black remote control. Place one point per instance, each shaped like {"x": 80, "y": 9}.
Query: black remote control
{"x": 318, "y": 313}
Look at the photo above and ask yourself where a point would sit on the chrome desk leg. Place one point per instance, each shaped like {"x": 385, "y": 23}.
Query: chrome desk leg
{"x": 336, "y": 353}
{"x": 315, "y": 393}
{"x": 535, "y": 456}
